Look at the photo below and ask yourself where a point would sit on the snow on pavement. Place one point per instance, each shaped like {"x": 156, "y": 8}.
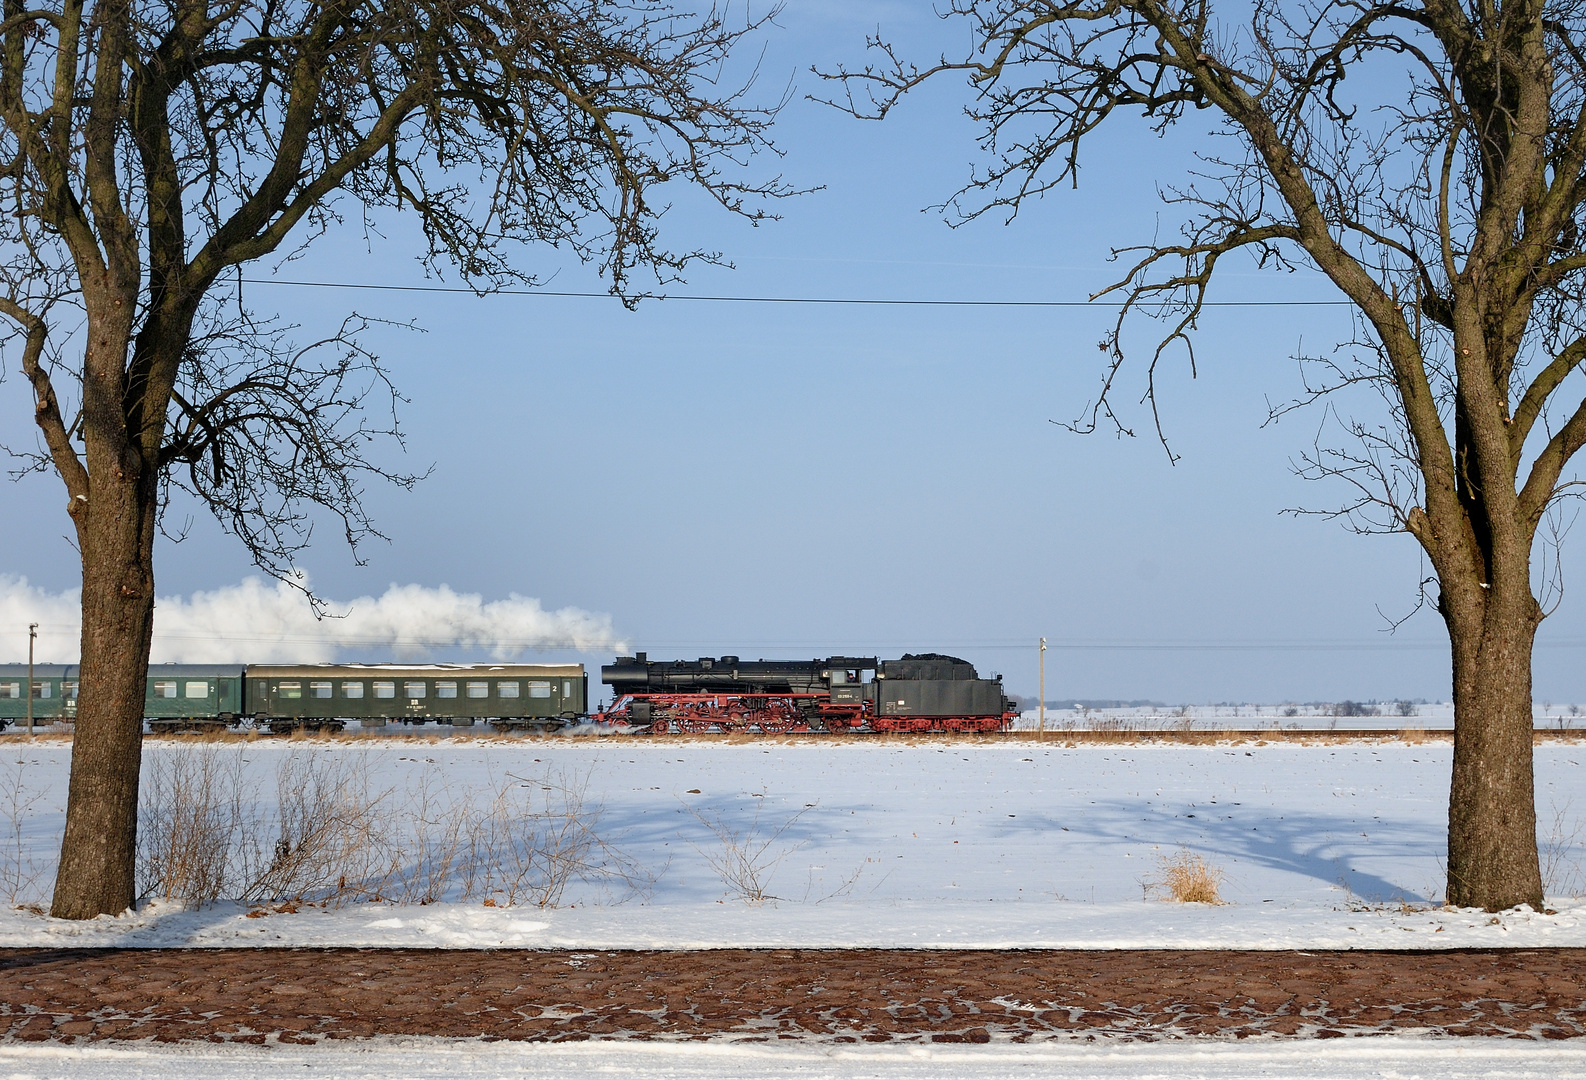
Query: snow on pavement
{"x": 1401, "y": 1058}
{"x": 937, "y": 843}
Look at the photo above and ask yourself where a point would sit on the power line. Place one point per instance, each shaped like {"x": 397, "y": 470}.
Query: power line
{"x": 829, "y": 647}
{"x": 832, "y": 647}
{"x": 649, "y": 644}
{"x": 854, "y": 301}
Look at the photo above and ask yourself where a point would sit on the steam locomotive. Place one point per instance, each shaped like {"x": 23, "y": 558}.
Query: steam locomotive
{"x": 919, "y": 692}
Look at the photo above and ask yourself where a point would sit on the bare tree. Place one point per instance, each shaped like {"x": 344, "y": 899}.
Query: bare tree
{"x": 152, "y": 149}
{"x": 1429, "y": 158}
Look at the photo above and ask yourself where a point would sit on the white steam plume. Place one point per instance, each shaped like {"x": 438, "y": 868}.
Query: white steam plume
{"x": 261, "y": 622}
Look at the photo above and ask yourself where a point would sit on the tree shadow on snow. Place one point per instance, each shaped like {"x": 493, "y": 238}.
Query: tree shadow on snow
{"x": 1325, "y": 847}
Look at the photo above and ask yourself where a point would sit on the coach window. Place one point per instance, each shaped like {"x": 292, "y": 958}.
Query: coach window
{"x": 319, "y": 689}
{"x": 413, "y": 689}
{"x": 196, "y": 690}
{"x": 384, "y": 689}
{"x": 353, "y": 690}
{"x": 567, "y": 688}
{"x": 68, "y": 691}
{"x": 506, "y": 689}
{"x": 445, "y": 688}
{"x": 10, "y": 689}
{"x": 165, "y": 688}
{"x": 478, "y": 689}
{"x": 289, "y": 689}
{"x": 540, "y": 689}
{"x": 41, "y": 690}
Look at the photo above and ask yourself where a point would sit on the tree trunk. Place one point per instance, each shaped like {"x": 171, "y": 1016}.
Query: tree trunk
{"x": 98, "y": 852}
{"x": 1492, "y": 853}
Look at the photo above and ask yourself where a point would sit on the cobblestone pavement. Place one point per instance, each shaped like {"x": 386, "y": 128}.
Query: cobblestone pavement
{"x": 299, "y": 995}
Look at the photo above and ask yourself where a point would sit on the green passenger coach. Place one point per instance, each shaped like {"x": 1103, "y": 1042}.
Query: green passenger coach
{"x": 54, "y": 693}
{"x": 176, "y": 696}
{"x": 508, "y": 696}
{"x": 192, "y": 697}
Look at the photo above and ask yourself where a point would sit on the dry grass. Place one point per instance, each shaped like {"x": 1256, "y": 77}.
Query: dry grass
{"x": 21, "y": 875}
{"x": 195, "y": 823}
{"x": 333, "y": 839}
{"x": 1560, "y": 853}
{"x": 333, "y": 834}
{"x": 1187, "y": 878}
{"x": 538, "y": 836}
{"x": 748, "y": 852}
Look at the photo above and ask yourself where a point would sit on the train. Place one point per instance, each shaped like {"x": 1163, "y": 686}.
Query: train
{"x": 921, "y": 692}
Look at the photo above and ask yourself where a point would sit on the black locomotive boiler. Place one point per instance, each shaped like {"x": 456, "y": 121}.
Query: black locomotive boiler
{"x": 919, "y": 692}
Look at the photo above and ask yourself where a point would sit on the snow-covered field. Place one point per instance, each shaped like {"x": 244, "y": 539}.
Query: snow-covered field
{"x": 1401, "y": 1058}
{"x": 1349, "y": 716}
{"x": 938, "y": 843}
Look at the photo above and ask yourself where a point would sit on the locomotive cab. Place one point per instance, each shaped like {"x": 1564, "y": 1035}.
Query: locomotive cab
{"x": 847, "y": 686}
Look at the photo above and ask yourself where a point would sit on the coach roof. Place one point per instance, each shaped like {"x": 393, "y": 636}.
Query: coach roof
{"x": 416, "y": 671}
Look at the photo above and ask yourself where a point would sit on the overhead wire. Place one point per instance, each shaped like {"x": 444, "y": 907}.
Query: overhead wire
{"x": 860, "y": 301}
{"x": 631, "y": 642}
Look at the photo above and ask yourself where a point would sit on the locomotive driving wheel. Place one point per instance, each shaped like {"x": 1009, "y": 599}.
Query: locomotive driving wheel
{"x": 775, "y": 717}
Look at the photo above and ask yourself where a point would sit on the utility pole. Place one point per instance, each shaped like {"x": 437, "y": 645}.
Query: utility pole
{"x": 33, "y": 632}
{"x": 1041, "y": 729}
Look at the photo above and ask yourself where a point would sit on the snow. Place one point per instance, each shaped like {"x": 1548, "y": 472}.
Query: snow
{"x": 937, "y": 924}
{"x": 1379, "y": 716}
{"x": 1398, "y": 1057}
{"x": 931, "y": 843}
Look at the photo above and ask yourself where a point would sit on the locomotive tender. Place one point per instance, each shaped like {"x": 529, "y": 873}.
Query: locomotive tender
{"x": 919, "y": 692}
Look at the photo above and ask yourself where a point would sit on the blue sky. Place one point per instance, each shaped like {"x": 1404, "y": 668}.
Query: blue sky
{"x": 792, "y": 480}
